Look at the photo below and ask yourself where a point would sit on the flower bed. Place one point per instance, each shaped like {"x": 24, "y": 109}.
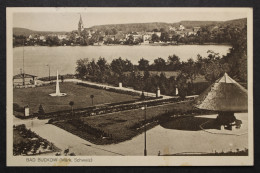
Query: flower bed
{"x": 27, "y": 142}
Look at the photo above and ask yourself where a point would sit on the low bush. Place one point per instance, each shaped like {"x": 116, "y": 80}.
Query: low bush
{"x": 17, "y": 108}
{"x": 87, "y": 128}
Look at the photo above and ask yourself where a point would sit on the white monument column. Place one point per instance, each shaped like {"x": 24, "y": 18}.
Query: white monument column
{"x": 57, "y": 84}
{"x": 158, "y": 93}
{"x": 58, "y": 93}
{"x": 120, "y": 85}
{"x": 26, "y": 111}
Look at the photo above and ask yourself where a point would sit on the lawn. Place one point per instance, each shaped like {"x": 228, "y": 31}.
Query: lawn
{"x": 122, "y": 125}
{"x": 80, "y": 95}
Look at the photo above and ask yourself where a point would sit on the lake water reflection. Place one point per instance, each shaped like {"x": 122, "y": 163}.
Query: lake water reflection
{"x": 64, "y": 58}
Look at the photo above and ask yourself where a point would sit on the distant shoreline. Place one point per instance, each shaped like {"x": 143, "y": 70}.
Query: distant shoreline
{"x": 152, "y": 44}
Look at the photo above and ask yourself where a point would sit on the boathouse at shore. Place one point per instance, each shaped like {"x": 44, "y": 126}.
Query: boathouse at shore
{"x": 24, "y": 80}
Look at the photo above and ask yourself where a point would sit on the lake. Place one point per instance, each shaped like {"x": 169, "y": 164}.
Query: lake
{"x": 64, "y": 58}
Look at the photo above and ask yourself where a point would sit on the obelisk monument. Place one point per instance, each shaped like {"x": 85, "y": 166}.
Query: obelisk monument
{"x": 58, "y": 93}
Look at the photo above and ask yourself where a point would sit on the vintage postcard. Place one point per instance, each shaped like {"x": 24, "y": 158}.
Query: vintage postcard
{"x": 129, "y": 86}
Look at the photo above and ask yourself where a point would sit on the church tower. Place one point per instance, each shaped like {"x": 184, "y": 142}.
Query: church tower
{"x": 80, "y": 26}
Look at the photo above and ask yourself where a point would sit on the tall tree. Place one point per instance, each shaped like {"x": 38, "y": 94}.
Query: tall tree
{"x": 155, "y": 38}
{"x": 117, "y": 65}
{"x": 82, "y": 68}
{"x": 102, "y": 63}
{"x": 128, "y": 66}
{"x": 52, "y": 41}
{"x": 93, "y": 69}
{"x": 173, "y": 62}
{"x": 237, "y": 58}
{"x": 189, "y": 69}
{"x": 143, "y": 64}
{"x": 164, "y": 37}
{"x": 213, "y": 67}
{"x": 159, "y": 64}
{"x": 130, "y": 40}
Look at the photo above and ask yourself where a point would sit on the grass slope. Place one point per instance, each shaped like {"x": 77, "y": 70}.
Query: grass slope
{"x": 79, "y": 94}
{"x": 123, "y": 125}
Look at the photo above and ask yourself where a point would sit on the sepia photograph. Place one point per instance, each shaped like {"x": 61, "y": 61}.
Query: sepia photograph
{"x": 129, "y": 86}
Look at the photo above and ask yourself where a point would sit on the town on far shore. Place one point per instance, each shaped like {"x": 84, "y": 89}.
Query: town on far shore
{"x": 185, "y": 32}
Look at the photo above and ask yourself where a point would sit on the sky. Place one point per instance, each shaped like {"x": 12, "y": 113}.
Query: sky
{"x": 67, "y": 20}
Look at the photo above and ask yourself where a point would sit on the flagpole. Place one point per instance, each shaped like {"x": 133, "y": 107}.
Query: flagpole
{"x": 23, "y": 64}
{"x": 145, "y": 151}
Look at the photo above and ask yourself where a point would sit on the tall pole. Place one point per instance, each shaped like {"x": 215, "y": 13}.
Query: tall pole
{"x": 145, "y": 151}
{"x": 23, "y": 64}
{"x": 49, "y": 72}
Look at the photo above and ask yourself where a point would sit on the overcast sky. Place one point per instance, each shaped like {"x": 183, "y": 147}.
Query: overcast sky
{"x": 68, "y": 21}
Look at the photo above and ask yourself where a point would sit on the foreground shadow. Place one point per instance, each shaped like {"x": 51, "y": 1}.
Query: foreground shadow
{"x": 192, "y": 123}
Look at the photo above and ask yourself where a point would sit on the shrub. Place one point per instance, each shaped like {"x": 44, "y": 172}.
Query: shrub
{"x": 41, "y": 110}
{"x": 17, "y": 108}
{"x": 84, "y": 127}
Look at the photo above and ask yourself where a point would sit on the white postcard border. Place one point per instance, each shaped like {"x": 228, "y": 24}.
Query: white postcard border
{"x": 124, "y": 160}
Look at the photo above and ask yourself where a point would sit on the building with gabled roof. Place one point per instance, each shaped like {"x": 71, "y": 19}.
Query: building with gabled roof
{"x": 24, "y": 79}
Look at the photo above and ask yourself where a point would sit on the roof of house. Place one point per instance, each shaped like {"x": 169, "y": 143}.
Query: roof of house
{"x": 223, "y": 95}
{"x": 181, "y": 32}
{"x": 189, "y": 30}
{"x": 20, "y": 76}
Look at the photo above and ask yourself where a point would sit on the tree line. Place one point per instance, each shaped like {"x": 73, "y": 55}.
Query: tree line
{"x": 206, "y": 34}
{"x": 140, "y": 76}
